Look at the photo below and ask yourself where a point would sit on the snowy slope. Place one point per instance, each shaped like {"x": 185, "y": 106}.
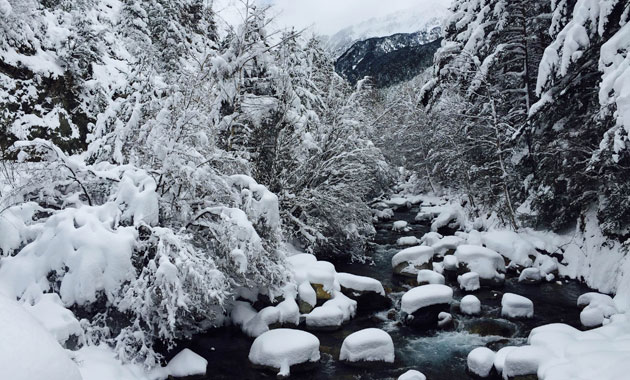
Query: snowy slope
{"x": 425, "y": 16}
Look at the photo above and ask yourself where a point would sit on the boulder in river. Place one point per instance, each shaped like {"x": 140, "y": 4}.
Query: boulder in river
{"x": 368, "y": 292}
{"x": 283, "y": 350}
{"x": 421, "y": 306}
{"x": 367, "y": 347}
{"x": 410, "y": 260}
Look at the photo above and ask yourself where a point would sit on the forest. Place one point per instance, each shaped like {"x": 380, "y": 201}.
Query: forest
{"x": 162, "y": 169}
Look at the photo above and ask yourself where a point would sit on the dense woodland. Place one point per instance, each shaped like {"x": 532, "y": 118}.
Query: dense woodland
{"x": 201, "y": 150}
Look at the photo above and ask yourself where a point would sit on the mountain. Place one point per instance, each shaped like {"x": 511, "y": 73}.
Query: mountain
{"x": 424, "y": 17}
{"x": 389, "y": 60}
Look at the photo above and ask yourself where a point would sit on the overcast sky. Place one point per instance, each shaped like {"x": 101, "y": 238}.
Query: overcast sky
{"x": 330, "y": 16}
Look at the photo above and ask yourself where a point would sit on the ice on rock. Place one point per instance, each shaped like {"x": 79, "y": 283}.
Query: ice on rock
{"x": 450, "y": 263}
{"x": 410, "y": 259}
{"x": 282, "y": 348}
{"x": 427, "y": 276}
{"x": 530, "y": 275}
{"x": 368, "y": 345}
{"x": 408, "y": 240}
{"x": 27, "y": 350}
{"x": 412, "y": 374}
{"x": 470, "y": 305}
{"x": 399, "y": 225}
{"x": 515, "y": 306}
{"x": 469, "y": 281}
{"x": 360, "y": 283}
{"x": 187, "y": 363}
{"x": 486, "y": 262}
{"x": 426, "y": 295}
{"x": 597, "y": 308}
{"x": 480, "y": 361}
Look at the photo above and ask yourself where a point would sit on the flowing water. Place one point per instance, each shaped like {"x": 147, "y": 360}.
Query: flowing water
{"x": 440, "y": 355}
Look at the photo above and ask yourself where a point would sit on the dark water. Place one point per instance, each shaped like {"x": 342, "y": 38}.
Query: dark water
{"x": 440, "y": 355}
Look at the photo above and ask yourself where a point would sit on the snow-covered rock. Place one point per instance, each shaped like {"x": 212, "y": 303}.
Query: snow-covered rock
{"x": 450, "y": 263}
{"x": 408, "y": 261}
{"x": 307, "y": 298}
{"x": 480, "y": 361}
{"x": 187, "y": 363}
{"x": 412, "y": 374}
{"x": 499, "y": 358}
{"x": 516, "y": 306}
{"x": 27, "y": 350}
{"x": 523, "y": 361}
{"x": 360, "y": 283}
{"x": 445, "y": 320}
{"x": 451, "y": 217}
{"x": 446, "y": 244}
{"x": 332, "y": 314}
{"x": 469, "y": 281}
{"x": 399, "y": 225}
{"x": 368, "y": 345}
{"x": 281, "y": 349}
{"x": 511, "y": 245}
{"x": 422, "y": 307}
{"x": 486, "y": 262}
{"x": 425, "y": 295}
{"x": 470, "y": 305}
{"x": 430, "y": 238}
{"x": 368, "y": 292}
{"x": 408, "y": 240}
{"x": 385, "y": 214}
{"x": 398, "y": 202}
{"x": 531, "y": 276}
{"x": 426, "y": 276}
{"x": 597, "y": 308}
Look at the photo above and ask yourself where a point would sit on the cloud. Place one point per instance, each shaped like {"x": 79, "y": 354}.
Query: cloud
{"x": 329, "y": 16}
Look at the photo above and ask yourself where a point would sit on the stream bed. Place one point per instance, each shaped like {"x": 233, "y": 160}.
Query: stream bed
{"x": 439, "y": 354}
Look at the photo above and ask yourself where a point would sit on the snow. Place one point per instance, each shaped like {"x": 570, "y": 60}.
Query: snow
{"x": 100, "y": 363}
{"x": 499, "y": 358}
{"x": 368, "y": 345}
{"x": 5, "y": 8}
{"x": 323, "y": 273}
{"x": 408, "y": 240}
{"x": 283, "y": 348}
{"x": 417, "y": 255}
{"x": 324, "y": 317}
{"x": 427, "y": 276}
{"x": 559, "y": 351}
{"x": 470, "y": 305}
{"x": 187, "y": 363}
{"x": 50, "y": 312}
{"x": 447, "y": 243}
{"x": 444, "y": 319}
{"x": 399, "y": 225}
{"x": 360, "y": 283}
{"x": 307, "y": 294}
{"x": 451, "y": 262}
{"x": 469, "y": 281}
{"x": 430, "y": 238}
{"x": 412, "y": 374}
{"x": 387, "y": 213}
{"x": 425, "y": 295}
{"x": 511, "y": 245}
{"x": 597, "y": 308}
{"x": 450, "y": 214}
{"x": 486, "y": 262}
{"x": 27, "y": 350}
{"x": 333, "y": 313}
{"x": 480, "y": 361}
{"x": 516, "y": 306}
{"x": 530, "y": 275}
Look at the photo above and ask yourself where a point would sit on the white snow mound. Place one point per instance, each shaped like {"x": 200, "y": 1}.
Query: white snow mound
{"x": 515, "y": 306}
{"x": 187, "y": 363}
{"x": 470, "y": 305}
{"x": 412, "y": 374}
{"x": 480, "y": 361}
{"x": 486, "y": 262}
{"x": 425, "y": 295}
{"x": 368, "y": 345}
{"x": 283, "y": 348}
